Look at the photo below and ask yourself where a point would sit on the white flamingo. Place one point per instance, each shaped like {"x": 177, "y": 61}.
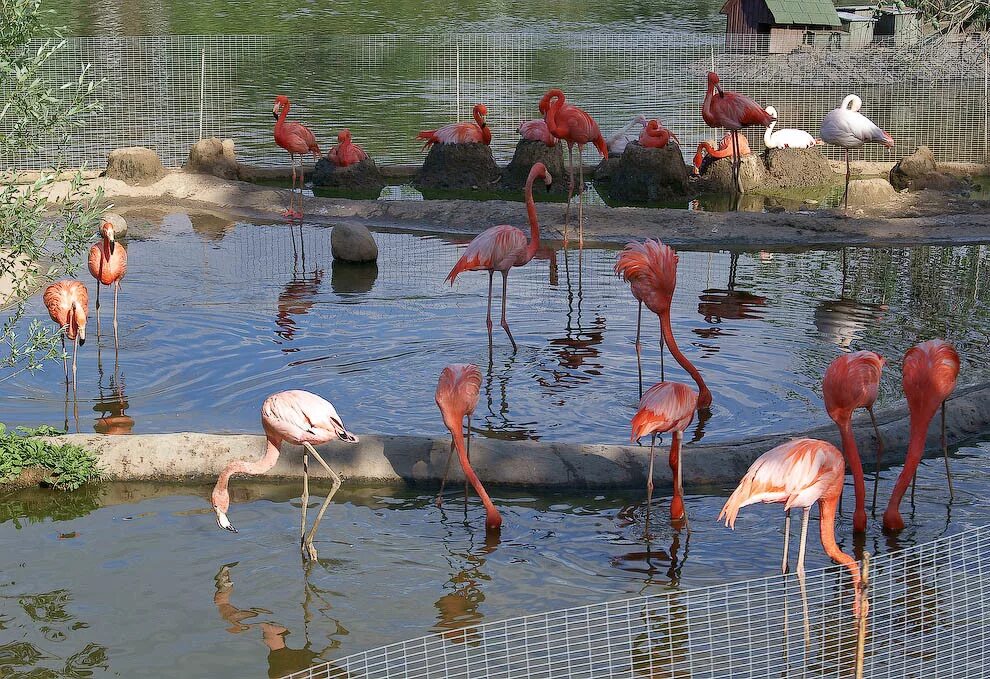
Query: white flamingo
{"x": 847, "y": 127}
{"x": 787, "y": 138}
{"x": 617, "y": 142}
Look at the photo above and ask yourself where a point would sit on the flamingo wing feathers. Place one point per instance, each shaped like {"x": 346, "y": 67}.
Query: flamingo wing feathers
{"x": 666, "y": 406}
{"x": 650, "y": 268}
{"x": 458, "y": 389}
{"x": 930, "y": 372}
{"x": 797, "y": 473}
{"x": 301, "y": 417}
{"x": 735, "y": 111}
{"x": 851, "y": 129}
{"x": 60, "y": 298}
{"x": 297, "y": 138}
{"x": 494, "y": 249}
{"x": 537, "y": 130}
{"x": 454, "y": 133}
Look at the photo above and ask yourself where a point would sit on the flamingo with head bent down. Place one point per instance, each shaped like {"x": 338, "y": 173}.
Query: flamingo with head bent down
{"x": 298, "y": 140}
{"x": 68, "y": 304}
{"x": 536, "y": 130}
{"x": 726, "y": 147}
{"x": 477, "y": 132}
{"x": 502, "y": 247}
{"x": 656, "y": 136}
{"x": 617, "y": 141}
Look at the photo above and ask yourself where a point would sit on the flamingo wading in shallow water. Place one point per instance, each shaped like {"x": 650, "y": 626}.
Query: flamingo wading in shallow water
{"x": 798, "y": 473}
{"x": 297, "y": 139}
{"x": 68, "y": 303}
{"x": 303, "y": 419}
{"x": 477, "y": 132}
{"x": 734, "y": 112}
{"x": 457, "y": 396}
{"x": 502, "y": 247}
{"x": 847, "y": 128}
{"x": 107, "y": 264}
{"x": 851, "y": 382}
{"x": 651, "y": 270}
{"x": 930, "y": 372}
{"x": 346, "y": 152}
{"x": 787, "y": 138}
{"x": 536, "y": 130}
{"x": 574, "y": 126}
{"x": 666, "y": 406}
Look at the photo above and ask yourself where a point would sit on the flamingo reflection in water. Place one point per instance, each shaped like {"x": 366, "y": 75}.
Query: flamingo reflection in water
{"x": 458, "y": 608}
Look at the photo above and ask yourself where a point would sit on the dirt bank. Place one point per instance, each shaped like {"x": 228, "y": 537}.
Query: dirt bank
{"x": 913, "y": 218}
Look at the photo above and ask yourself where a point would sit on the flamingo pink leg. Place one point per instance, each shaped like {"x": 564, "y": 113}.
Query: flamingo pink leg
{"x": 787, "y": 539}
{"x": 308, "y": 547}
{"x": 649, "y": 487}
{"x": 505, "y": 323}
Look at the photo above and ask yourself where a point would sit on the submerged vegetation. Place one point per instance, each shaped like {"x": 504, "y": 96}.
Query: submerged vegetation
{"x": 68, "y": 466}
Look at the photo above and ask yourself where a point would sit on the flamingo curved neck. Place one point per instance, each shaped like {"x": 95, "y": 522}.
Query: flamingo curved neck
{"x": 768, "y": 135}
{"x": 826, "y": 509}
{"x": 852, "y": 102}
{"x": 283, "y": 112}
{"x": 493, "y": 519}
{"x": 556, "y": 103}
{"x": 534, "y": 225}
{"x": 704, "y": 395}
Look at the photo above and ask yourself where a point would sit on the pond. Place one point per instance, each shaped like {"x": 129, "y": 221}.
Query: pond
{"x": 156, "y": 590}
{"x": 216, "y": 314}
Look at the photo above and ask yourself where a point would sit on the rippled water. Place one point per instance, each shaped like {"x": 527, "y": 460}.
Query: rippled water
{"x": 156, "y": 590}
{"x": 215, "y": 315}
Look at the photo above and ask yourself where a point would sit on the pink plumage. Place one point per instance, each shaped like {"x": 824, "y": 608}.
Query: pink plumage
{"x": 570, "y": 123}
{"x": 666, "y": 406}
{"x": 346, "y": 152}
{"x": 68, "y": 303}
{"x": 650, "y": 268}
{"x": 536, "y": 130}
{"x": 292, "y": 136}
{"x": 656, "y": 136}
{"x": 731, "y": 110}
{"x": 477, "y": 132}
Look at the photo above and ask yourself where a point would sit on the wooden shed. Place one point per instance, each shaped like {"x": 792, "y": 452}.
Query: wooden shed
{"x": 779, "y": 25}
{"x": 858, "y": 27}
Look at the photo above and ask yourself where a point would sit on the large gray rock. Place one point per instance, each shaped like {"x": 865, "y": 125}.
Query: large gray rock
{"x": 527, "y": 154}
{"x": 458, "y": 166}
{"x": 717, "y": 173}
{"x": 912, "y": 167}
{"x": 362, "y": 176}
{"x": 353, "y": 243}
{"x": 866, "y": 192}
{"x": 119, "y": 224}
{"x": 649, "y": 174}
{"x": 134, "y": 165}
{"x": 788, "y": 168}
{"x": 213, "y": 156}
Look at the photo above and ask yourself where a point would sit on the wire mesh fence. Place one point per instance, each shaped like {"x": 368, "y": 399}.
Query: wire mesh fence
{"x": 166, "y": 92}
{"x": 927, "y": 618}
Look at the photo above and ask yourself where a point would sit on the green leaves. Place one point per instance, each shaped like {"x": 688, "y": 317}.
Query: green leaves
{"x": 69, "y": 466}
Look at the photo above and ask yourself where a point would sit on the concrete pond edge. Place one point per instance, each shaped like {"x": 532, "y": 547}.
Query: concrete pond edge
{"x": 414, "y": 460}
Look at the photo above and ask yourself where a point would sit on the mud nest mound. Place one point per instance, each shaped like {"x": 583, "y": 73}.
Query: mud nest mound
{"x": 527, "y": 154}
{"x": 361, "y": 176}
{"x": 787, "y": 168}
{"x": 649, "y": 174}
{"x": 458, "y": 166}
{"x": 716, "y": 174}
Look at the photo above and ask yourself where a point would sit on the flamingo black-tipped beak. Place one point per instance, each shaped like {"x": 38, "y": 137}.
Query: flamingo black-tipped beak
{"x": 275, "y": 115}
{"x": 82, "y": 339}
{"x": 113, "y": 245}
{"x": 347, "y": 437}
{"x": 223, "y": 521}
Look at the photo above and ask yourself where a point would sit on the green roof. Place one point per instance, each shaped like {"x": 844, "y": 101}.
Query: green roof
{"x": 804, "y": 12}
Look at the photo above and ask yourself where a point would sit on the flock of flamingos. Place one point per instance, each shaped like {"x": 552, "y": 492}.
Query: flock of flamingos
{"x": 798, "y": 473}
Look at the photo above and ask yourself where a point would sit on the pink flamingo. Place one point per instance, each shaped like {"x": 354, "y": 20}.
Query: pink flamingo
{"x": 303, "y": 419}
{"x": 726, "y": 147}
{"x": 930, "y": 372}
{"x": 651, "y": 270}
{"x": 666, "y": 406}
{"x": 346, "y": 152}
{"x": 851, "y": 382}
{"x": 477, "y": 132}
{"x": 536, "y": 130}
{"x": 457, "y": 396}
{"x": 798, "y": 473}
{"x": 297, "y": 139}
{"x": 573, "y": 125}
{"x": 502, "y": 247}
{"x": 68, "y": 304}
{"x": 107, "y": 264}
{"x": 656, "y": 136}
{"x": 732, "y": 111}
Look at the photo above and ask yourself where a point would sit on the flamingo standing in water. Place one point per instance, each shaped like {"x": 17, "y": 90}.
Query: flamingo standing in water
{"x": 851, "y": 382}
{"x": 346, "y": 152}
{"x": 457, "y": 396}
{"x": 656, "y": 136}
{"x": 303, "y": 419}
{"x": 848, "y": 128}
{"x": 734, "y": 112}
{"x": 787, "y": 138}
{"x": 107, "y": 264}
{"x": 536, "y": 130}
{"x": 477, "y": 132}
{"x": 502, "y": 247}
{"x": 297, "y": 139}
{"x": 651, "y": 269}
{"x": 930, "y": 372}
{"x": 68, "y": 303}
{"x": 574, "y": 126}
{"x": 798, "y": 473}
{"x": 726, "y": 147}
{"x": 617, "y": 142}
{"x": 666, "y": 406}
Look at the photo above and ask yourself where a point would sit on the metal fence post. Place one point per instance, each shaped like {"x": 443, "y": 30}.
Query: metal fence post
{"x": 202, "y": 85}
{"x": 986, "y": 105}
{"x": 457, "y": 77}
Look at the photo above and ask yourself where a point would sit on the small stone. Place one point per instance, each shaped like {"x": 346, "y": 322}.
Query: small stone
{"x": 135, "y": 165}
{"x": 869, "y": 192}
{"x": 912, "y": 167}
{"x": 353, "y": 243}
{"x": 119, "y": 224}
{"x": 810, "y": 201}
{"x": 213, "y": 156}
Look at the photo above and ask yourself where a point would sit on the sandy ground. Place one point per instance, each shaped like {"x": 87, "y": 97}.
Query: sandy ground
{"x": 924, "y": 217}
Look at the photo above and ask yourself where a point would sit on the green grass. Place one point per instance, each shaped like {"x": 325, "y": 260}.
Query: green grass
{"x": 69, "y": 466}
